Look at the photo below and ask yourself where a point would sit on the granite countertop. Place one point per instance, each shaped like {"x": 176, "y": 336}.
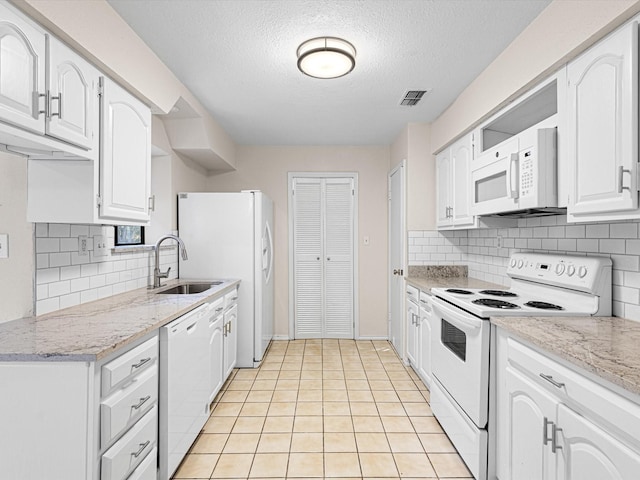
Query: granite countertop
{"x": 91, "y": 331}
{"x": 444, "y": 276}
{"x": 608, "y": 347}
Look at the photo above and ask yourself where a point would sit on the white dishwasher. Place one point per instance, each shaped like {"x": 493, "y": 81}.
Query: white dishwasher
{"x": 184, "y": 395}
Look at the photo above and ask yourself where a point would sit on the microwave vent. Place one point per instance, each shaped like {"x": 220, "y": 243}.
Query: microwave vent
{"x": 412, "y": 97}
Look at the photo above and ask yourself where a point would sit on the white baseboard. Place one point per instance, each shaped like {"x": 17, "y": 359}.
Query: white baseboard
{"x": 281, "y": 337}
{"x": 366, "y": 337}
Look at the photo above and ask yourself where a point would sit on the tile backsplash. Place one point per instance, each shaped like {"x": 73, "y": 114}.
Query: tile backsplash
{"x": 486, "y": 251}
{"x": 65, "y": 278}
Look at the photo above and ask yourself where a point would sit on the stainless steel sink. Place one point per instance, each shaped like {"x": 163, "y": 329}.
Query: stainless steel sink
{"x": 190, "y": 288}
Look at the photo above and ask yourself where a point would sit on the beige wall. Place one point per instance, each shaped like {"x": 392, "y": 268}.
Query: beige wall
{"x": 16, "y": 272}
{"x": 266, "y": 168}
{"x": 559, "y": 33}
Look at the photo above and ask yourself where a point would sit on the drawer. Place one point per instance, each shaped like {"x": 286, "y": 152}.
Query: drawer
{"x": 125, "y": 406}
{"x": 613, "y": 411}
{"x": 217, "y": 306}
{"x": 412, "y": 293}
{"x": 129, "y": 364}
{"x": 148, "y": 469}
{"x": 425, "y": 301}
{"x": 231, "y": 298}
{"x": 129, "y": 452}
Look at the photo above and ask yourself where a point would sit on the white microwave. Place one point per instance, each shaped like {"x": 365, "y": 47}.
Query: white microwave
{"x": 517, "y": 175}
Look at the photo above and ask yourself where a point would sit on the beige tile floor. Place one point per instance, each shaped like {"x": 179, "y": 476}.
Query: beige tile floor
{"x": 338, "y": 409}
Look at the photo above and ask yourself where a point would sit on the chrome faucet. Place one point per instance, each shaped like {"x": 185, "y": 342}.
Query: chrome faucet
{"x": 157, "y": 273}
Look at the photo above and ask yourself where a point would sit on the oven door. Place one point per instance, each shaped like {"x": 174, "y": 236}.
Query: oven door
{"x": 460, "y": 358}
{"x": 495, "y": 180}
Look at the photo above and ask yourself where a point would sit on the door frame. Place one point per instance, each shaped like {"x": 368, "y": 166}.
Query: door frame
{"x": 356, "y": 304}
{"x": 402, "y": 170}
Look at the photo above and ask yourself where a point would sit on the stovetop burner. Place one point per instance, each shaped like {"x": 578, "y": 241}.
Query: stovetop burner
{"x": 459, "y": 291}
{"x": 498, "y": 293}
{"x": 495, "y": 303}
{"x": 544, "y": 305}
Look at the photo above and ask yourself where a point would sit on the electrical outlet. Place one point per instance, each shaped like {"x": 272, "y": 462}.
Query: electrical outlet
{"x": 4, "y": 245}
{"x": 83, "y": 246}
{"x": 499, "y": 242}
{"x": 99, "y": 246}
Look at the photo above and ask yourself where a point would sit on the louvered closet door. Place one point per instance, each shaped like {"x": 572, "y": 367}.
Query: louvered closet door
{"x": 323, "y": 257}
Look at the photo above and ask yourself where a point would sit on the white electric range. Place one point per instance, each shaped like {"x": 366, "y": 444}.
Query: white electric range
{"x": 541, "y": 285}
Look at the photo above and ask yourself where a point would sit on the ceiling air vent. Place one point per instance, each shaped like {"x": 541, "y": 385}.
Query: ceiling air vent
{"x": 412, "y": 97}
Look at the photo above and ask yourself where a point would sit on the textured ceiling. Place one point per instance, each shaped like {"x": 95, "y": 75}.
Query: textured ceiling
{"x": 238, "y": 57}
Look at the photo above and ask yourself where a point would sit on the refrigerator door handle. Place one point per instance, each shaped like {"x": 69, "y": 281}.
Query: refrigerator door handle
{"x": 267, "y": 252}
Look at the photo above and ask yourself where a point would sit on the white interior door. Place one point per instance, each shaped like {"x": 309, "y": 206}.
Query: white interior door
{"x": 396, "y": 256}
{"x": 323, "y": 225}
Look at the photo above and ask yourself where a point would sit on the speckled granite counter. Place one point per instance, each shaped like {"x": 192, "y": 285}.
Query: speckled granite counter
{"x": 608, "y": 347}
{"x": 444, "y": 276}
{"x": 93, "y": 330}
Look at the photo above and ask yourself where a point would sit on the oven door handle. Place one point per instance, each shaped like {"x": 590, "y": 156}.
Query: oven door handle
{"x": 455, "y": 316}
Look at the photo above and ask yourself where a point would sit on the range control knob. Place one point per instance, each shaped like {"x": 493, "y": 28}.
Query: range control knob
{"x": 582, "y": 271}
{"x": 513, "y": 262}
{"x": 560, "y": 269}
{"x": 571, "y": 270}
{"x": 520, "y": 263}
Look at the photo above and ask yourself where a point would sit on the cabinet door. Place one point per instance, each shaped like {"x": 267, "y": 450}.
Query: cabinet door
{"x": 230, "y": 340}
{"x": 522, "y": 453}
{"x": 603, "y": 125}
{"x": 73, "y": 87}
{"x": 413, "y": 320}
{"x": 216, "y": 359}
{"x": 443, "y": 188}
{"x": 125, "y": 155}
{"x": 425, "y": 346}
{"x": 590, "y": 453}
{"x": 461, "y": 155}
{"x": 22, "y": 71}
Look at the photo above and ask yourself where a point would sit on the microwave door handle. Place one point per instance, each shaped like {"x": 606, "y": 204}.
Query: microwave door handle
{"x": 513, "y": 175}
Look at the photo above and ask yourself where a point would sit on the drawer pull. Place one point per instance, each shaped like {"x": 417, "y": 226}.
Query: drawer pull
{"x": 219, "y": 309}
{"x": 141, "y": 362}
{"x": 550, "y": 379}
{"x": 141, "y": 449}
{"x": 234, "y": 298}
{"x": 142, "y": 401}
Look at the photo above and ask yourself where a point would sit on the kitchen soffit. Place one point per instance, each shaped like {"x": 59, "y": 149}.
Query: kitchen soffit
{"x": 239, "y": 60}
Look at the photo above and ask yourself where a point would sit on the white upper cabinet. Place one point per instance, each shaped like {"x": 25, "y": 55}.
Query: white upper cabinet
{"x": 454, "y": 187}
{"x": 602, "y": 133}
{"x": 72, "y": 113}
{"x": 45, "y": 88}
{"x": 125, "y": 154}
{"x": 22, "y": 71}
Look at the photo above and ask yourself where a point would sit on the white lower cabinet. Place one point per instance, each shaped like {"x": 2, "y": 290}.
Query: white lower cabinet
{"x": 216, "y": 349}
{"x": 74, "y": 421}
{"x": 552, "y": 422}
{"x": 424, "y": 339}
{"x": 230, "y": 339}
{"x": 413, "y": 326}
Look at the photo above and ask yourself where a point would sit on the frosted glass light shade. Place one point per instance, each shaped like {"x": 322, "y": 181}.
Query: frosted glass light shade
{"x": 326, "y": 57}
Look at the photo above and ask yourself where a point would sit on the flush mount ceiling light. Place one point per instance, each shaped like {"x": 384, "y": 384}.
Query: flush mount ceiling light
{"x": 326, "y": 57}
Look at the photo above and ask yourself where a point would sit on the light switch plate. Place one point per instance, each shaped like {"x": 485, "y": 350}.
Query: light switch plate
{"x": 4, "y": 245}
{"x": 99, "y": 246}
{"x": 83, "y": 246}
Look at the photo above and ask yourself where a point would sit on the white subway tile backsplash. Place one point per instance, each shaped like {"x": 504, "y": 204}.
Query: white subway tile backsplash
{"x": 64, "y": 278}
{"x": 59, "y": 230}
{"x": 478, "y": 250}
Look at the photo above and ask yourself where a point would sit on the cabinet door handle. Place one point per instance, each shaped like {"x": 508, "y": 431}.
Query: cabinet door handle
{"x": 554, "y": 438}
{"x": 219, "y": 309}
{"x": 37, "y": 103}
{"x": 550, "y": 379}
{"x": 141, "y": 362}
{"x": 141, "y": 449}
{"x": 229, "y": 327}
{"x": 545, "y": 430}
{"x": 142, "y": 401}
{"x": 59, "y": 99}
{"x": 621, "y": 172}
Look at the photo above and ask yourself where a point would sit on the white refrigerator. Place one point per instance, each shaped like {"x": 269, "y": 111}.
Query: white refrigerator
{"x": 230, "y": 235}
